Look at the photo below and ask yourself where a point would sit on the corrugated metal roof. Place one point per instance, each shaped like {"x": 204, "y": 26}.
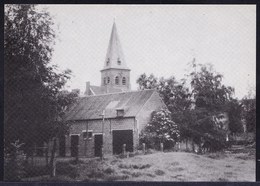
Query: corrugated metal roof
{"x": 91, "y": 107}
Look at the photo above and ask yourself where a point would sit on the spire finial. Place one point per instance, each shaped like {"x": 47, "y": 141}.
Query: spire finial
{"x": 114, "y": 19}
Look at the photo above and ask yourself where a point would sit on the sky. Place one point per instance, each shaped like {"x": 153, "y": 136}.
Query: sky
{"x": 158, "y": 39}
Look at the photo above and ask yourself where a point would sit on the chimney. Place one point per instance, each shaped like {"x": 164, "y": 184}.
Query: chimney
{"x": 87, "y": 92}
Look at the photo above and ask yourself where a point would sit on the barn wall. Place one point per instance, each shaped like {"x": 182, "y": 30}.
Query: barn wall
{"x": 153, "y": 104}
{"x": 86, "y": 147}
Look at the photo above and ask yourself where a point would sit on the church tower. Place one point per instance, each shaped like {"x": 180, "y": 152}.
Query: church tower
{"x": 115, "y": 73}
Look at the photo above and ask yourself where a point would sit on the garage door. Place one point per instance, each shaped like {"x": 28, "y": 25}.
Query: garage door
{"x": 121, "y": 137}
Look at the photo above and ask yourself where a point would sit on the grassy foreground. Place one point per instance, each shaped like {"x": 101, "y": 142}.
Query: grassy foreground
{"x": 159, "y": 166}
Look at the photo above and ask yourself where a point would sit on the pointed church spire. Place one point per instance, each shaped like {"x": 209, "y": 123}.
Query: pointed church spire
{"x": 115, "y": 57}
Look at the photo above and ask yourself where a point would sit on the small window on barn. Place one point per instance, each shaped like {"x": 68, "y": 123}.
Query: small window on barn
{"x": 124, "y": 81}
{"x": 118, "y": 61}
{"x": 120, "y": 112}
{"x": 87, "y": 135}
{"x": 117, "y": 80}
{"x": 108, "y": 80}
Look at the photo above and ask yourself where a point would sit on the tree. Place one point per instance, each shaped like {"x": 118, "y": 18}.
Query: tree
{"x": 207, "y": 88}
{"x": 196, "y": 110}
{"x": 147, "y": 82}
{"x": 249, "y": 113}
{"x": 234, "y": 110}
{"x": 175, "y": 95}
{"x": 33, "y": 102}
{"x": 211, "y": 99}
{"x": 161, "y": 129}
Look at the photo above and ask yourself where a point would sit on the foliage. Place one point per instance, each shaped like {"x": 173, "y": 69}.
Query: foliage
{"x": 249, "y": 113}
{"x": 33, "y": 102}
{"x": 147, "y": 82}
{"x": 14, "y": 162}
{"x": 161, "y": 129}
{"x": 207, "y": 88}
{"x": 194, "y": 109}
{"x": 174, "y": 94}
{"x": 211, "y": 99}
{"x": 234, "y": 110}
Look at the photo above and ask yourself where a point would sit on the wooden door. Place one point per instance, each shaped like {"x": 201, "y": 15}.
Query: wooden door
{"x": 121, "y": 137}
{"x": 98, "y": 142}
{"x": 74, "y": 145}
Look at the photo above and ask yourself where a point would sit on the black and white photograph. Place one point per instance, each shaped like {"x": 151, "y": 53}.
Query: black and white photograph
{"x": 103, "y": 93}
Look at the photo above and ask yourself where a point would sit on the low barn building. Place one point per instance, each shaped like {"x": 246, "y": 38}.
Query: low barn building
{"x": 108, "y": 121}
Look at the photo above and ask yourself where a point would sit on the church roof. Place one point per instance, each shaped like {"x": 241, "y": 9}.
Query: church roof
{"x": 115, "y": 56}
{"x": 97, "y": 90}
{"x": 91, "y": 107}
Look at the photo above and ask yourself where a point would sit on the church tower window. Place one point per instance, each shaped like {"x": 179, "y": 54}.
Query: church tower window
{"x": 124, "y": 81}
{"x": 104, "y": 81}
{"x": 117, "y": 80}
{"x": 108, "y": 80}
{"x": 108, "y": 61}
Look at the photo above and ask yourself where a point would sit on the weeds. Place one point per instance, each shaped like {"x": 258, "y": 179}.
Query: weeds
{"x": 117, "y": 177}
{"x": 67, "y": 169}
{"x": 159, "y": 172}
{"x": 125, "y": 166}
{"x": 109, "y": 170}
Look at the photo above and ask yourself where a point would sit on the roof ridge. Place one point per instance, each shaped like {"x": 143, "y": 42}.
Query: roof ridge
{"x": 120, "y": 92}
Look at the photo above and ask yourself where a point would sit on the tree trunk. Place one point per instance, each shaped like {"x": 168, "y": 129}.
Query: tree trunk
{"x": 52, "y": 160}
{"x": 193, "y": 145}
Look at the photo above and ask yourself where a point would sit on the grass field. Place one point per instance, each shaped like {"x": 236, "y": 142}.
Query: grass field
{"x": 236, "y": 165}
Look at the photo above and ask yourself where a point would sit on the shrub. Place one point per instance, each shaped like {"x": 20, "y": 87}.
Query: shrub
{"x": 161, "y": 129}
{"x": 159, "y": 172}
{"x": 14, "y": 163}
{"x": 109, "y": 170}
{"x": 66, "y": 169}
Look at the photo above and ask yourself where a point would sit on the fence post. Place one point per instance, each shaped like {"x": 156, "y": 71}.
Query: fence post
{"x": 52, "y": 159}
{"x": 54, "y": 166}
{"x": 143, "y": 148}
{"x": 46, "y": 156}
{"x": 77, "y": 155}
{"x": 102, "y": 153}
{"x": 124, "y": 145}
{"x": 161, "y": 146}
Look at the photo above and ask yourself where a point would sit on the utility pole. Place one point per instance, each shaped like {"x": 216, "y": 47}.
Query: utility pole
{"x": 102, "y": 146}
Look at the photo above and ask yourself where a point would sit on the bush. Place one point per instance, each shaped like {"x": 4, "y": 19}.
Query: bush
{"x": 161, "y": 129}
{"x": 14, "y": 163}
{"x": 66, "y": 169}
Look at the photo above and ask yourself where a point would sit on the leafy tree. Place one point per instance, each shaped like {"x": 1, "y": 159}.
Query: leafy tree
{"x": 234, "y": 110}
{"x": 161, "y": 129}
{"x": 175, "y": 95}
{"x": 249, "y": 113}
{"x": 147, "y": 82}
{"x": 194, "y": 109}
{"x": 33, "y": 102}
{"x": 211, "y": 98}
{"x": 207, "y": 88}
